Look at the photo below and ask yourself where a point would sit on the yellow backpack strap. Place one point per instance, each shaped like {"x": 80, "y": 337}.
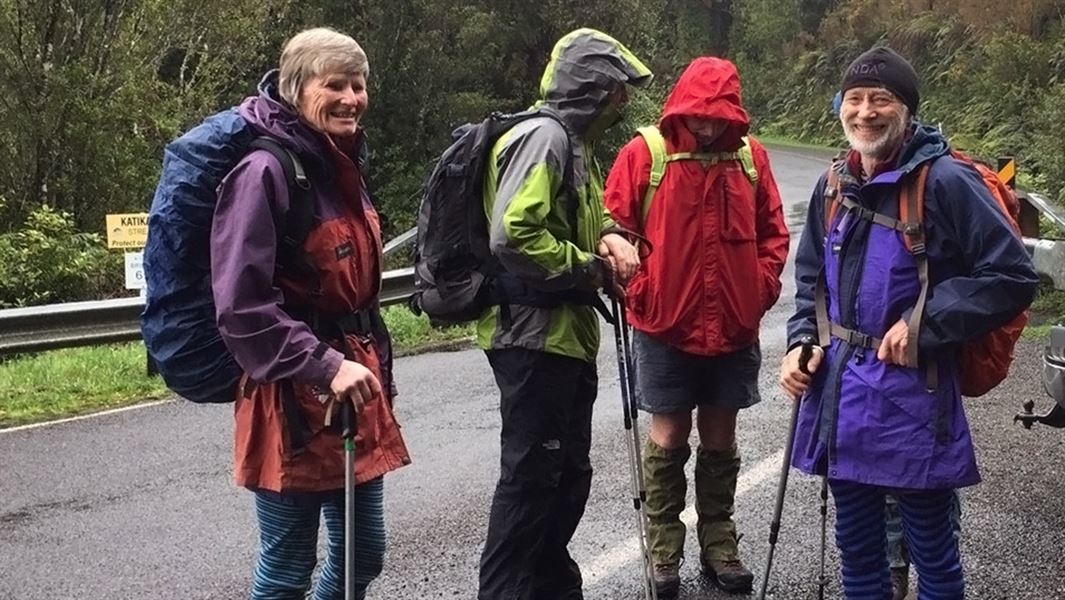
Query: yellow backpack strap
{"x": 743, "y": 155}
{"x": 659, "y": 159}
{"x": 657, "y": 145}
{"x": 746, "y": 158}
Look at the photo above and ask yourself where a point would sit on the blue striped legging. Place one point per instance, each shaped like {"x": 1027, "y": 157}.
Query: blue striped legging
{"x": 861, "y": 538}
{"x": 288, "y": 544}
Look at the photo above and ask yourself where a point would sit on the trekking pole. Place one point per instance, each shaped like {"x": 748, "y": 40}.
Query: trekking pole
{"x": 628, "y": 404}
{"x": 347, "y": 433}
{"x": 778, "y": 510}
{"x": 822, "y": 580}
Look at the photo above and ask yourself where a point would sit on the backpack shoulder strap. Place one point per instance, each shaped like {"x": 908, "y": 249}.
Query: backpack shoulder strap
{"x": 300, "y": 217}
{"x": 832, "y": 196}
{"x": 746, "y": 158}
{"x": 657, "y": 145}
{"x": 569, "y": 176}
{"x": 911, "y": 214}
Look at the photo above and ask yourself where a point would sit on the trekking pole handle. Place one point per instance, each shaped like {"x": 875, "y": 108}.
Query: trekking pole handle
{"x": 805, "y": 355}
{"x": 347, "y": 420}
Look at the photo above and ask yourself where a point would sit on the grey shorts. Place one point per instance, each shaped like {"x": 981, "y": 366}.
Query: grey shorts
{"x": 669, "y": 380}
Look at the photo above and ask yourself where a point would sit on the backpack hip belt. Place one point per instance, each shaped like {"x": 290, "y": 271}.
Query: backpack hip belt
{"x": 329, "y": 327}
{"x": 506, "y": 289}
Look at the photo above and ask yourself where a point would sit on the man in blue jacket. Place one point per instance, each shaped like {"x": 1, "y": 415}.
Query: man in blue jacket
{"x": 874, "y": 420}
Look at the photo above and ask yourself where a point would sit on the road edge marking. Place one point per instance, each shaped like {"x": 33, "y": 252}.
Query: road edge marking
{"x": 104, "y": 413}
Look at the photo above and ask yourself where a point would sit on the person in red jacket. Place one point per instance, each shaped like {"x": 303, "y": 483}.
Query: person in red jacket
{"x": 718, "y": 239}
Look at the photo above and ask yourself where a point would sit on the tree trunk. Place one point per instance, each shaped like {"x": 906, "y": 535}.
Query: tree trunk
{"x": 720, "y": 25}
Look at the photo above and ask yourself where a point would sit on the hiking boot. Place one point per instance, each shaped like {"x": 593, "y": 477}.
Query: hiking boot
{"x": 729, "y": 575}
{"x": 900, "y": 583}
{"x": 667, "y": 580}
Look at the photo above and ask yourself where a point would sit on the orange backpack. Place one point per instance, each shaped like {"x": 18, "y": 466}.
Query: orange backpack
{"x": 983, "y": 363}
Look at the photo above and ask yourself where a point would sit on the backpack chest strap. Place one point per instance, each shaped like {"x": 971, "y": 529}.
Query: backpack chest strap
{"x": 868, "y": 214}
{"x": 656, "y": 145}
{"x": 709, "y": 157}
{"x": 911, "y": 225}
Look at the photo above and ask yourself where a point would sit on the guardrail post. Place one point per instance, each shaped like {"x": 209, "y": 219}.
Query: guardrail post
{"x": 1029, "y": 217}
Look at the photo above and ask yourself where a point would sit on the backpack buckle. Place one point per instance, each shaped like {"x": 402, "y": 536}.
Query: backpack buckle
{"x": 915, "y": 234}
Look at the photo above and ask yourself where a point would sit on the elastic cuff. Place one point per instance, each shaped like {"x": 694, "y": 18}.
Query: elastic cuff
{"x": 797, "y": 340}
{"x": 327, "y": 367}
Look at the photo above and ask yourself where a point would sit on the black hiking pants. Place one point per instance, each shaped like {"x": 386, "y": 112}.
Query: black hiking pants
{"x": 545, "y": 475}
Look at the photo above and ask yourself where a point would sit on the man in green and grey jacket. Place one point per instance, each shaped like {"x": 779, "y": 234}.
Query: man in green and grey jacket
{"x": 551, "y": 234}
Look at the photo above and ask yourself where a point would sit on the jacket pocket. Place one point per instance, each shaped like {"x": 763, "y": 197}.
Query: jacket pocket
{"x": 737, "y": 214}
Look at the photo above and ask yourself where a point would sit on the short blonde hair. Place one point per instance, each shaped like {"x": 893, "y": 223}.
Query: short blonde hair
{"x": 315, "y": 52}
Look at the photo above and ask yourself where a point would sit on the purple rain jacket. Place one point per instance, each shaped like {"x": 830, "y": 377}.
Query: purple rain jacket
{"x": 873, "y": 423}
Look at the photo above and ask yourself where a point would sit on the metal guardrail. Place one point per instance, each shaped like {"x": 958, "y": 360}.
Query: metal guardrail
{"x": 1047, "y": 208}
{"x": 1048, "y": 256}
{"x": 51, "y": 326}
{"x": 48, "y": 327}
{"x": 73, "y": 324}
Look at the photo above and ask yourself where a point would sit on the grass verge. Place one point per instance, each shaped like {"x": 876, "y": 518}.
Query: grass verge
{"x": 74, "y": 381}
{"x": 1047, "y": 310}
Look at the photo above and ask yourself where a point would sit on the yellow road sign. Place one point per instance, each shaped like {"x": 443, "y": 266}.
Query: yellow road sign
{"x": 1007, "y": 172}
{"x": 127, "y": 230}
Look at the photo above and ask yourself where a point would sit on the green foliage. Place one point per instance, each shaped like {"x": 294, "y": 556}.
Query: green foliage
{"x": 1048, "y": 131}
{"x": 91, "y": 90}
{"x": 63, "y": 383}
{"x": 48, "y": 261}
{"x": 993, "y": 91}
{"x": 411, "y": 333}
{"x": 1048, "y": 307}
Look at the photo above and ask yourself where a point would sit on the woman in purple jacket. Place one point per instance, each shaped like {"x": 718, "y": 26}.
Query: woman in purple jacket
{"x": 306, "y": 330}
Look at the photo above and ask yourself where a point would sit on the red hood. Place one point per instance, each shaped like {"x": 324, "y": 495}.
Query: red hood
{"x": 708, "y": 88}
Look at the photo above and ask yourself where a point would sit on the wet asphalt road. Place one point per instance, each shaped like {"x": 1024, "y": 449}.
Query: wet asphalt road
{"x": 140, "y": 504}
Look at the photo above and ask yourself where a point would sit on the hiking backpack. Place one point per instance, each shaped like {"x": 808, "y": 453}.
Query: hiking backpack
{"x": 656, "y": 143}
{"x": 178, "y": 323}
{"x": 983, "y": 363}
{"x": 456, "y": 278}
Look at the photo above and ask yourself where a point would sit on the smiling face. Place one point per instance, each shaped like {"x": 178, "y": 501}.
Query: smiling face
{"x": 874, "y": 121}
{"x": 334, "y": 102}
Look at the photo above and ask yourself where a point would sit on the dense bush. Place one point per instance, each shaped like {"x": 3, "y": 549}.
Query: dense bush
{"x": 994, "y": 92}
{"x": 48, "y": 260}
{"x": 90, "y": 91}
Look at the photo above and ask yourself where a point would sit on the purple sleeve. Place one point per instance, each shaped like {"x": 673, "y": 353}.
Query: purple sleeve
{"x": 265, "y": 341}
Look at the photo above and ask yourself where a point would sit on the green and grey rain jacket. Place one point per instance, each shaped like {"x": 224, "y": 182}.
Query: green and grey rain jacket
{"x": 530, "y": 209}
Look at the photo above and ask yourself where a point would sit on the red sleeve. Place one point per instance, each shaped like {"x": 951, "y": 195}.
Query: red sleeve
{"x": 772, "y": 232}
{"x": 627, "y": 183}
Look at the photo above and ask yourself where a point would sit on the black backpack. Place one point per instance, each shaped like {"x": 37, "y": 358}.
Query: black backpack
{"x": 455, "y": 275}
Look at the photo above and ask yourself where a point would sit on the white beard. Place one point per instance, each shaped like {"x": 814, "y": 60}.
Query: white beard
{"x": 883, "y": 145}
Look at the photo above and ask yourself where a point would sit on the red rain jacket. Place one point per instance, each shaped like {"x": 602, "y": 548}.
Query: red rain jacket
{"x": 719, "y": 243}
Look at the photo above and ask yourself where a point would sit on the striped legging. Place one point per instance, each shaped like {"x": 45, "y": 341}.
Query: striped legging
{"x": 288, "y": 544}
{"x": 861, "y": 538}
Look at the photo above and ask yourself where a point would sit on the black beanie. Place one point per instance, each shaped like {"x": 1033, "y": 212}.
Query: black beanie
{"x": 883, "y": 67}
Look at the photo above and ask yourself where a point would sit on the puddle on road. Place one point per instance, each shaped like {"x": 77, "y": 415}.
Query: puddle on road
{"x": 796, "y": 216}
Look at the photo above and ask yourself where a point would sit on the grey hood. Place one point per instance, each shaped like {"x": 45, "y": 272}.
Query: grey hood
{"x": 586, "y": 67}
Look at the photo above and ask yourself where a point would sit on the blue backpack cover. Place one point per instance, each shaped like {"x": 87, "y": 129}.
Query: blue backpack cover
{"x": 178, "y": 322}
